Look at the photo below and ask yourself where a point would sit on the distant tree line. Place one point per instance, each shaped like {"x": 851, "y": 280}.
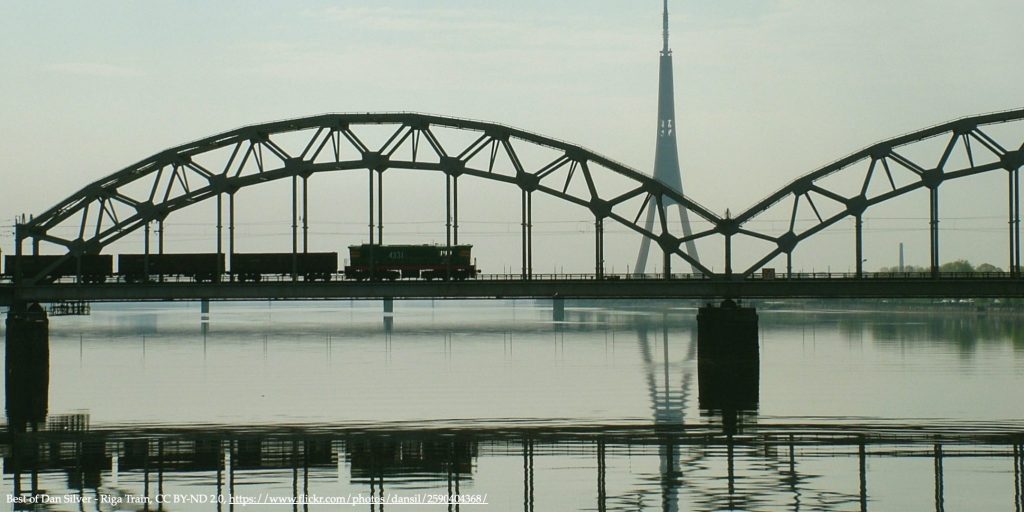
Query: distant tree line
{"x": 960, "y": 266}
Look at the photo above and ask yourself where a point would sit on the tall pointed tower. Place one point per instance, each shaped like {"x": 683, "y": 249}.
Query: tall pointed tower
{"x": 666, "y": 154}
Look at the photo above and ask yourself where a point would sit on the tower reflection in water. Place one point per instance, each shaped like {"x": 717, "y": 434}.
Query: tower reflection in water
{"x": 721, "y": 460}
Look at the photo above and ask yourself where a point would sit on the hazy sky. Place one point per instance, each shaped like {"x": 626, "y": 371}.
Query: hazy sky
{"x": 766, "y": 89}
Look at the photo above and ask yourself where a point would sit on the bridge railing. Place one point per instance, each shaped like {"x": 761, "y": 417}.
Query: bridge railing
{"x": 801, "y": 276}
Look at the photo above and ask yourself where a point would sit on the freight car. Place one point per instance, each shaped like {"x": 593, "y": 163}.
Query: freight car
{"x": 410, "y": 261}
{"x": 94, "y": 268}
{"x": 312, "y": 266}
{"x": 199, "y": 266}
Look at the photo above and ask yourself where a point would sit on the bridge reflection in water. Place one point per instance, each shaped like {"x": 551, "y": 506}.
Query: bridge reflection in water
{"x": 598, "y": 467}
{"x": 724, "y": 461}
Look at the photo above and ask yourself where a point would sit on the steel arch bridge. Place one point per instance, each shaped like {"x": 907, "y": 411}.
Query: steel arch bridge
{"x": 222, "y": 165}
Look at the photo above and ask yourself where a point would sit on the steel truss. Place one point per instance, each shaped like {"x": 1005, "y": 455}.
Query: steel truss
{"x": 979, "y": 152}
{"x": 105, "y": 211}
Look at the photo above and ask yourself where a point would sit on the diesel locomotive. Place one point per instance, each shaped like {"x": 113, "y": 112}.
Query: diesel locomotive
{"x": 410, "y": 262}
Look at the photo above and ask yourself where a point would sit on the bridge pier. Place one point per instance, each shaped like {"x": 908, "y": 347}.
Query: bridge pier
{"x": 27, "y": 366}
{"x": 727, "y": 359}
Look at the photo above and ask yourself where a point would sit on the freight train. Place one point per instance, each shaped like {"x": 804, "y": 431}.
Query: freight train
{"x": 367, "y": 261}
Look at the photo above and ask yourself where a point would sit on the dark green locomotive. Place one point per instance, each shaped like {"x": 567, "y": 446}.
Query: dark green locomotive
{"x": 410, "y": 261}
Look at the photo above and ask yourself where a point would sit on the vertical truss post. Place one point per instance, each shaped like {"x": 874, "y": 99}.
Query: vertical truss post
{"x": 160, "y": 243}
{"x": 295, "y": 228}
{"x": 371, "y": 214}
{"x": 529, "y": 234}
{"x": 305, "y": 214}
{"x": 455, "y": 208}
{"x": 220, "y": 237}
{"x": 1013, "y": 206}
{"x": 1011, "y": 241}
{"x": 667, "y": 262}
{"x": 934, "y": 228}
{"x": 231, "y": 233}
{"x": 18, "y": 239}
{"x": 1016, "y": 220}
{"x": 526, "y": 241}
{"x": 145, "y": 255}
{"x": 380, "y": 206}
{"x": 789, "y": 264}
{"x": 860, "y": 245}
{"x": 728, "y": 255}
{"x": 371, "y": 217}
{"x": 448, "y": 225}
{"x": 599, "y": 249}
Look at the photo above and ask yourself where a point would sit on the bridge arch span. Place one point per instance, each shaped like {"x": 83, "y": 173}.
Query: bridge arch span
{"x": 922, "y": 160}
{"x": 110, "y": 208}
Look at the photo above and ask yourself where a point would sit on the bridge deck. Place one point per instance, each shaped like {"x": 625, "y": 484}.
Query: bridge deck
{"x": 832, "y": 288}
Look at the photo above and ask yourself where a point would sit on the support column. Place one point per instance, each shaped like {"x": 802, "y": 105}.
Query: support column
{"x": 934, "y": 229}
{"x": 860, "y": 246}
{"x": 599, "y": 249}
{"x": 727, "y": 358}
{"x": 27, "y": 366}
{"x": 789, "y": 264}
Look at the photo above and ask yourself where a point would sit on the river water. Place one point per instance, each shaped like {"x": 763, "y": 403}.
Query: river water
{"x": 889, "y": 409}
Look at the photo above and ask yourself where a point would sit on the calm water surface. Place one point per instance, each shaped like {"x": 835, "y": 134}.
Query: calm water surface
{"x": 881, "y": 411}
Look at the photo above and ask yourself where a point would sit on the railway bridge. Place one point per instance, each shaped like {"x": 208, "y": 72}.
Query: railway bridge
{"x": 52, "y": 249}
{"x": 467, "y": 153}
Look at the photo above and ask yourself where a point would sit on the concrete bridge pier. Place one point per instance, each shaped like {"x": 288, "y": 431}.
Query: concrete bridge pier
{"x": 27, "y": 366}
{"x": 727, "y": 358}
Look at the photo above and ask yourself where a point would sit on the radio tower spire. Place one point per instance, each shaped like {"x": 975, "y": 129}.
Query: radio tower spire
{"x": 666, "y": 155}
